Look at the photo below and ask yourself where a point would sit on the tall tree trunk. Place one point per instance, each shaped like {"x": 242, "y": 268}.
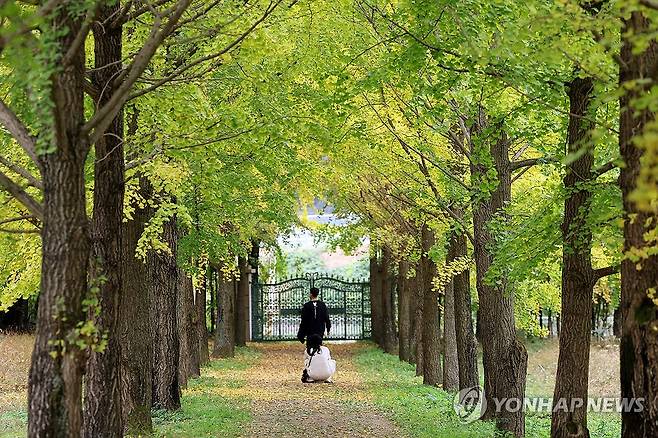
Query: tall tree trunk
{"x": 135, "y": 326}
{"x": 388, "y": 306}
{"x": 412, "y": 286}
{"x": 550, "y": 323}
{"x": 212, "y": 293}
{"x": 464, "y": 335}
{"x": 418, "y": 319}
{"x": 199, "y": 298}
{"x": 571, "y": 382}
{"x": 504, "y": 357}
{"x": 163, "y": 288}
{"x": 616, "y": 322}
{"x": 450, "y": 359}
{"x": 103, "y": 413}
{"x": 639, "y": 334}
{"x": 376, "y": 303}
{"x": 55, "y": 382}
{"x": 225, "y": 333}
{"x": 404, "y": 312}
{"x": 201, "y": 327}
{"x": 242, "y": 304}
{"x": 431, "y": 333}
{"x": 189, "y": 362}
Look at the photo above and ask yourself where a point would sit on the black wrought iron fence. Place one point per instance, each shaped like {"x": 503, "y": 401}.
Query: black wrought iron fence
{"x": 276, "y": 307}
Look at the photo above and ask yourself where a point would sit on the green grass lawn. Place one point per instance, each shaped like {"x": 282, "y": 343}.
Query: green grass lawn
{"x": 13, "y": 423}
{"x": 203, "y": 413}
{"x": 426, "y": 412}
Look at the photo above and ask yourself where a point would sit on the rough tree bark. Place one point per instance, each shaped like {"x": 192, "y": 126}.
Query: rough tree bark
{"x": 225, "y": 333}
{"x": 162, "y": 274}
{"x": 212, "y": 293}
{"x": 376, "y": 303}
{"x": 450, "y": 359}
{"x": 201, "y": 326}
{"x": 577, "y": 273}
{"x": 242, "y": 304}
{"x": 388, "y": 306}
{"x": 55, "y": 381}
{"x": 412, "y": 287}
{"x": 102, "y": 407}
{"x": 504, "y": 357}
{"x": 135, "y": 327}
{"x": 404, "y": 312}
{"x": 639, "y": 333}
{"x": 431, "y": 333}
{"x": 418, "y": 319}
{"x": 464, "y": 335}
{"x": 189, "y": 362}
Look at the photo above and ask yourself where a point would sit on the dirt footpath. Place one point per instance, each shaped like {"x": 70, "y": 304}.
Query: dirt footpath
{"x": 284, "y": 407}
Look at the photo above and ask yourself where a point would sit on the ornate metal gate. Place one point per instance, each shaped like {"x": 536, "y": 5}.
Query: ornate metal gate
{"x": 276, "y": 307}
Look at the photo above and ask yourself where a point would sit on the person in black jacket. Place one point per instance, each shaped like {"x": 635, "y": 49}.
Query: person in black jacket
{"x": 315, "y": 317}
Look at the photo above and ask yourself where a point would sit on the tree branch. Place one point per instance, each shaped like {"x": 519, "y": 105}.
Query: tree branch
{"x": 31, "y": 179}
{"x": 388, "y": 124}
{"x": 81, "y": 36}
{"x": 457, "y": 144}
{"x": 16, "y": 128}
{"x": 604, "y": 272}
{"x": 124, "y": 16}
{"x": 143, "y": 160}
{"x": 29, "y": 218}
{"x": 91, "y": 90}
{"x": 520, "y": 152}
{"x": 420, "y": 41}
{"x": 8, "y": 230}
{"x": 182, "y": 69}
{"x": 22, "y": 196}
{"x": 16, "y": 219}
{"x": 530, "y": 162}
{"x": 520, "y": 174}
{"x": 607, "y": 167}
{"x": 104, "y": 115}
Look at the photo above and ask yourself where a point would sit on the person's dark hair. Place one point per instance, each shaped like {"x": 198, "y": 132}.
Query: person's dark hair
{"x": 315, "y": 292}
{"x": 313, "y": 344}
